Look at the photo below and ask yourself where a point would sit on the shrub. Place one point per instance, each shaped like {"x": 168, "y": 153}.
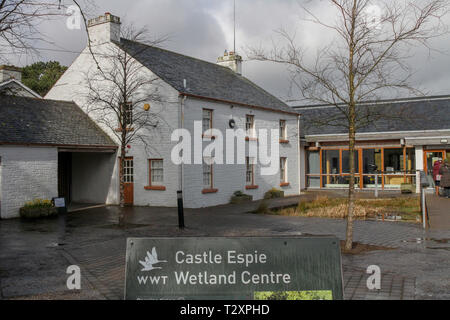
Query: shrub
{"x": 38, "y": 208}
{"x": 274, "y": 193}
{"x": 263, "y": 208}
{"x": 38, "y": 203}
{"x": 239, "y": 197}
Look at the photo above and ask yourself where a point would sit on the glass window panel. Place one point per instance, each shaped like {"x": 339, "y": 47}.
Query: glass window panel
{"x": 346, "y": 162}
{"x": 393, "y": 160}
{"x": 330, "y": 162}
{"x": 372, "y": 161}
{"x": 313, "y": 162}
{"x": 411, "y": 160}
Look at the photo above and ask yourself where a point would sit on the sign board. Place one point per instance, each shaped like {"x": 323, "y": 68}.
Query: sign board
{"x": 59, "y": 202}
{"x": 300, "y": 268}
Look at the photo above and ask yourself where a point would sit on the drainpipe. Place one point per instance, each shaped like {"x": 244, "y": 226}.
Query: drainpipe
{"x": 180, "y": 196}
{"x": 299, "y": 171}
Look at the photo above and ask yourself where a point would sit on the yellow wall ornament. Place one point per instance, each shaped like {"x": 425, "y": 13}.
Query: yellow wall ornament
{"x": 146, "y": 107}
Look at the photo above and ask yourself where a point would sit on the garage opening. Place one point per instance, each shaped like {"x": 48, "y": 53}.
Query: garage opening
{"x": 84, "y": 177}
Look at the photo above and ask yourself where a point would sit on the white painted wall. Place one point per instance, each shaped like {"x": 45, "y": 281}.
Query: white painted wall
{"x": 228, "y": 179}
{"x": 91, "y": 176}
{"x": 28, "y": 173}
{"x": 231, "y": 178}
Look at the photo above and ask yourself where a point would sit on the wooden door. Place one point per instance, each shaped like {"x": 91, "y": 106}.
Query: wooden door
{"x": 128, "y": 181}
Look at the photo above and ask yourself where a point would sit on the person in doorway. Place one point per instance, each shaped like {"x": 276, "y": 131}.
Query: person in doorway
{"x": 445, "y": 178}
{"x": 436, "y": 175}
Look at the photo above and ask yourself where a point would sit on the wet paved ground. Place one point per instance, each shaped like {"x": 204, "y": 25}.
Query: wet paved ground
{"x": 32, "y": 266}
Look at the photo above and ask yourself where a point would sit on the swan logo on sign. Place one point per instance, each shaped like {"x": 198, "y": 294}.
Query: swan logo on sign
{"x": 150, "y": 260}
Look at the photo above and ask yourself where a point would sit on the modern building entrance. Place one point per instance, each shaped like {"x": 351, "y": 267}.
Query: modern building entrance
{"x": 430, "y": 157}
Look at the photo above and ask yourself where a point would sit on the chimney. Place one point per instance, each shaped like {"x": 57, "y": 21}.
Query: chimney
{"x": 10, "y": 72}
{"x": 231, "y": 60}
{"x": 104, "y": 29}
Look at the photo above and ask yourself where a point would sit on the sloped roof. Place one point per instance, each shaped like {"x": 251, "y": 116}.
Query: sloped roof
{"x": 204, "y": 79}
{"x": 416, "y": 114}
{"x": 48, "y": 122}
{"x": 14, "y": 87}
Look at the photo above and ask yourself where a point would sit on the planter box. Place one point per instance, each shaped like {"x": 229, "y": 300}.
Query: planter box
{"x": 407, "y": 188}
{"x": 241, "y": 199}
{"x": 272, "y": 194}
{"x": 34, "y": 213}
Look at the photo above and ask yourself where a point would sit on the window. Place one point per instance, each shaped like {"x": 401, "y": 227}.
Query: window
{"x": 250, "y": 125}
{"x": 250, "y": 171}
{"x": 128, "y": 174}
{"x": 156, "y": 172}
{"x": 330, "y": 162}
{"x": 393, "y": 160}
{"x": 346, "y": 162}
{"x": 283, "y": 135}
{"x": 207, "y": 173}
{"x": 207, "y": 120}
{"x": 283, "y": 176}
{"x": 127, "y": 114}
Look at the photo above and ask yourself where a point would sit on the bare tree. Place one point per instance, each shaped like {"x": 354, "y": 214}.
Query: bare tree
{"x": 20, "y": 20}
{"x": 120, "y": 92}
{"x": 368, "y": 58}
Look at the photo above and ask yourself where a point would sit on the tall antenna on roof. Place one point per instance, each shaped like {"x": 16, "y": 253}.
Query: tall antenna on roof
{"x": 234, "y": 22}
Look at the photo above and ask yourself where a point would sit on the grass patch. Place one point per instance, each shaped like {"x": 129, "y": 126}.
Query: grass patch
{"x": 324, "y": 207}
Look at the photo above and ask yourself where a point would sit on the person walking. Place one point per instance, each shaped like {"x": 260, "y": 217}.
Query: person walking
{"x": 445, "y": 178}
{"x": 436, "y": 175}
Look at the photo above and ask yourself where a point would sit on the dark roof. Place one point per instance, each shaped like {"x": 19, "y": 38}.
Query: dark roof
{"x": 38, "y": 121}
{"x": 203, "y": 78}
{"x": 431, "y": 113}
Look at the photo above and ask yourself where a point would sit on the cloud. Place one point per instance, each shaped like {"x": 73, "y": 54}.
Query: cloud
{"x": 204, "y": 29}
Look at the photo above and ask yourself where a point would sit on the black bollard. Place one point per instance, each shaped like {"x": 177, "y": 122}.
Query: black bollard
{"x": 180, "y": 210}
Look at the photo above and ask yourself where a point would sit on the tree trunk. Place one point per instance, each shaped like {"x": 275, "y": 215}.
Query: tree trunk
{"x": 351, "y": 189}
{"x": 122, "y": 186}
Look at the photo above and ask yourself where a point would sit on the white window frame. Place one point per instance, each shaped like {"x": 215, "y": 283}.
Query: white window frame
{"x": 208, "y": 170}
{"x": 283, "y": 130}
{"x": 128, "y": 170}
{"x": 250, "y": 125}
{"x": 249, "y": 171}
{"x": 283, "y": 170}
{"x": 156, "y": 171}
{"x": 207, "y": 119}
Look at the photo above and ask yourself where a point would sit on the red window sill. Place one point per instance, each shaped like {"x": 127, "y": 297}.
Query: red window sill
{"x": 206, "y": 191}
{"x": 155, "y": 188}
{"x": 251, "y": 187}
{"x": 285, "y": 184}
{"x": 251, "y": 139}
{"x": 284, "y": 141}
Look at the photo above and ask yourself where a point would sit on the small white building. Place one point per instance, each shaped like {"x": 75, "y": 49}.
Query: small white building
{"x": 51, "y": 149}
{"x": 192, "y": 90}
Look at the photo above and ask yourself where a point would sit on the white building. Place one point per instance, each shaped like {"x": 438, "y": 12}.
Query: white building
{"x": 191, "y": 90}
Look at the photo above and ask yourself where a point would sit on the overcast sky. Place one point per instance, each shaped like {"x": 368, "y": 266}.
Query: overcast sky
{"x": 204, "y": 29}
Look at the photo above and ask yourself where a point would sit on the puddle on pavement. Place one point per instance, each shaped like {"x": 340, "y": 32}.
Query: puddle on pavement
{"x": 422, "y": 240}
{"x": 127, "y": 226}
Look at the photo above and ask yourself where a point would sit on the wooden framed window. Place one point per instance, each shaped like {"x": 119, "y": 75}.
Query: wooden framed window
{"x": 283, "y": 172}
{"x": 283, "y": 134}
{"x": 250, "y": 126}
{"x": 208, "y": 176}
{"x": 250, "y": 173}
{"x": 128, "y": 171}
{"x": 207, "y": 120}
{"x": 156, "y": 175}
